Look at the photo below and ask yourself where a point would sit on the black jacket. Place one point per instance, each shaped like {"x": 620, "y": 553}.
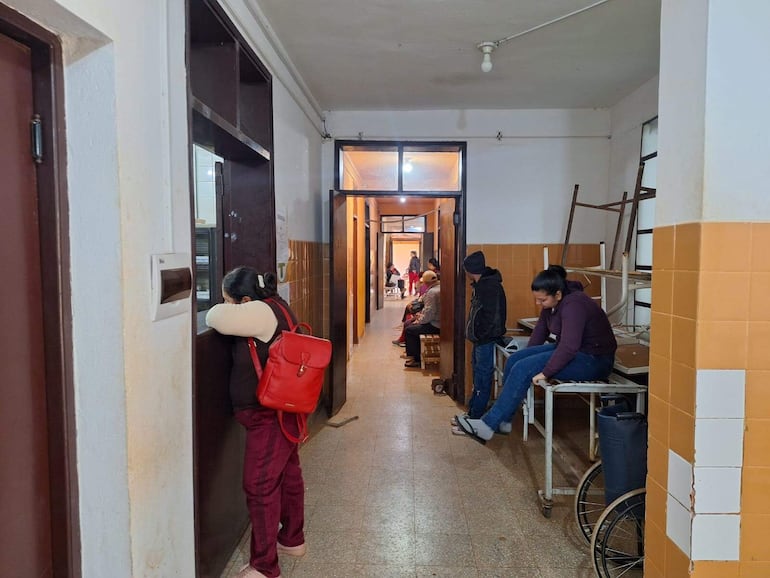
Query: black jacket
{"x": 487, "y": 316}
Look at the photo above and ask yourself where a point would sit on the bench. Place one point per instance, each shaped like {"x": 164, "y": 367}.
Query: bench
{"x": 430, "y": 353}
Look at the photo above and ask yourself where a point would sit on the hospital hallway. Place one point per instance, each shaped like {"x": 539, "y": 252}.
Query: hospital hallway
{"x": 395, "y": 494}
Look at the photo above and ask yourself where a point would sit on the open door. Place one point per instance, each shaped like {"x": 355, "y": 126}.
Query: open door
{"x": 452, "y": 365}
{"x": 338, "y": 305}
{"x": 381, "y": 262}
{"x": 426, "y": 250}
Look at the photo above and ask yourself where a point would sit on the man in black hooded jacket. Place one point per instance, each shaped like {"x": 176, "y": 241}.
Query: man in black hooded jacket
{"x": 485, "y": 327}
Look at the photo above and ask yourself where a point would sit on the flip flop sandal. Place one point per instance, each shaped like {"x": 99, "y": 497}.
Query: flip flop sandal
{"x": 463, "y": 424}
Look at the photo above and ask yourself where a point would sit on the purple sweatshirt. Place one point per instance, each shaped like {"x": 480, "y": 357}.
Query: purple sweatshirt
{"x": 579, "y": 324}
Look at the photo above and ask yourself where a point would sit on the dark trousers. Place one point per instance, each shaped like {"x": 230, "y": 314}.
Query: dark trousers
{"x": 413, "y": 333}
{"x": 275, "y": 492}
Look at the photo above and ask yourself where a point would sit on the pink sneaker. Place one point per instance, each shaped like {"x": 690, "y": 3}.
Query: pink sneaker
{"x": 296, "y": 551}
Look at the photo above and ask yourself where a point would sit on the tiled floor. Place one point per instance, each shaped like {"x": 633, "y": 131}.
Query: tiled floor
{"x": 395, "y": 494}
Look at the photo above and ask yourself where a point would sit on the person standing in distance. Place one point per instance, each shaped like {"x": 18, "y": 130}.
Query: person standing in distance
{"x": 414, "y": 273}
{"x": 485, "y": 327}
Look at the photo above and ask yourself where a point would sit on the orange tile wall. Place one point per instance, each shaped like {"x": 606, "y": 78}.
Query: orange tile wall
{"x": 709, "y": 311}
{"x": 308, "y": 277}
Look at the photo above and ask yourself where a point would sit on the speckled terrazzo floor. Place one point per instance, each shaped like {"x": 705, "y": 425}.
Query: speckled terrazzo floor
{"x": 395, "y": 494}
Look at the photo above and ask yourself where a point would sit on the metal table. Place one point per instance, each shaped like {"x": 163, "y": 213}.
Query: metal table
{"x": 617, "y": 384}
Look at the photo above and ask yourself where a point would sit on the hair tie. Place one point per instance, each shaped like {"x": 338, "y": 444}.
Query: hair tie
{"x": 261, "y": 281}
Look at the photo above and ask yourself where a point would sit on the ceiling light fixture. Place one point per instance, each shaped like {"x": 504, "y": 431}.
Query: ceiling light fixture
{"x": 407, "y": 166}
{"x": 403, "y": 199}
{"x": 486, "y": 49}
{"x": 489, "y": 46}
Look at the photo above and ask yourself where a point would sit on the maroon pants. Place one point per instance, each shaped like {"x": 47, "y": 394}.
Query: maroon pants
{"x": 414, "y": 280}
{"x": 275, "y": 491}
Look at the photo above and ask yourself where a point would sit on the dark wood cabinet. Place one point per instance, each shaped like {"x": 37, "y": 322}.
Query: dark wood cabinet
{"x": 228, "y": 84}
{"x": 231, "y": 115}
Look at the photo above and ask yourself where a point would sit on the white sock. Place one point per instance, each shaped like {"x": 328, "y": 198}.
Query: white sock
{"x": 481, "y": 429}
{"x": 505, "y": 427}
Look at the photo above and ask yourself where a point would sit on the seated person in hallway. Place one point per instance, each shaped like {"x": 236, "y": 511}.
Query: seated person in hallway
{"x": 584, "y": 349}
{"x": 434, "y": 266}
{"x": 426, "y": 322}
{"x": 390, "y": 272}
{"x": 411, "y": 309}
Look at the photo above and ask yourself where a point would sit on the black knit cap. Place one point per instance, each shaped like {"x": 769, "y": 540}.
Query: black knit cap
{"x": 475, "y": 263}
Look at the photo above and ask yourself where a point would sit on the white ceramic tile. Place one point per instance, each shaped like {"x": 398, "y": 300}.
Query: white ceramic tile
{"x": 718, "y": 443}
{"x": 716, "y": 537}
{"x": 720, "y": 393}
{"x": 717, "y": 490}
{"x": 678, "y": 524}
{"x": 679, "y": 478}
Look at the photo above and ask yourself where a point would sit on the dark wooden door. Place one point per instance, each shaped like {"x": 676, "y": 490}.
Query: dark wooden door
{"x": 25, "y": 505}
{"x": 426, "y": 250}
{"x": 338, "y": 307}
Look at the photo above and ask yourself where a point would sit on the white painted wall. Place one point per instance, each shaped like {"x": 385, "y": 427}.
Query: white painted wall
{"x": 127, "y": 170}
{"x": 737, "y": 147}
{"x": 519, "y": 188}
{"x": 713, "y": 110}
{"x": 297, "y": 165}
{"x": 125, "y": 98}
{"x": 681, "y": 127}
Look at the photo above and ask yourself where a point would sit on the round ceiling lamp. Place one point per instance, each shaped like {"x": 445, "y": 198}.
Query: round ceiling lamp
{"x": 486, "y": 49}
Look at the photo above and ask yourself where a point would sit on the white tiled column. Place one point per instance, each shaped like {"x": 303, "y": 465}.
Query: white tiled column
{"x": 704, "y": 503}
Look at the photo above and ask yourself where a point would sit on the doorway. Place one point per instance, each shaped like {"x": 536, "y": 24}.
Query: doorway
{"x": 374, "y": 173}
{"x": 38, "y": 502}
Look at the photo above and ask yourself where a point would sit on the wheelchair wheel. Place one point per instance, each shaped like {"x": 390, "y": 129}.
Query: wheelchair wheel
{"x": 589, "y": 500}
{"x": 617, "y": 543}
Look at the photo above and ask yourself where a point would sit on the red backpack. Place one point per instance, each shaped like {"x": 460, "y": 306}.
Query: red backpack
{"x": 293, "y": 374}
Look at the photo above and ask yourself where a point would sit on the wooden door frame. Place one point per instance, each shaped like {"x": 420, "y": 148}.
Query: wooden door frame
{"x": 458, "y": 331}
{"x": 48, "y": 96}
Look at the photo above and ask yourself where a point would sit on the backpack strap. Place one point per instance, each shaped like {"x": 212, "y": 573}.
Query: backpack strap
{"x": 292, "y": 326}
{"x": 255, "y": 357}
{"x": 253, "y": 344}
{"x": 301, "y": 427}
{"x": 289, "y": 320}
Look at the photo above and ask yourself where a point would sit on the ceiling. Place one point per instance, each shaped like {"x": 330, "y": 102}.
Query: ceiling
{"x": 422, "y": 54}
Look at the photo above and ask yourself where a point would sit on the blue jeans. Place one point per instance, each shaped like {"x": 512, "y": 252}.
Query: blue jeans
{"x": 483, "y": 363}
{"x": 526, "y": 363}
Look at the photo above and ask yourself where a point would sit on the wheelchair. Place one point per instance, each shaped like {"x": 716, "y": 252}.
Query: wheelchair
{"x": 615, "y": 530}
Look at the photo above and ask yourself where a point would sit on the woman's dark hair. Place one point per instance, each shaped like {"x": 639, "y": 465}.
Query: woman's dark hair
{"x": 246, "y": 282}
{"x": 551, "y": 280}
{"x": 389, "y": 265}
{"x": 433, "y": 261}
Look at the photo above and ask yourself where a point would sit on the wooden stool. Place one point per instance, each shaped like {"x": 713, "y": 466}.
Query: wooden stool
{"x": 430, "y": 352}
